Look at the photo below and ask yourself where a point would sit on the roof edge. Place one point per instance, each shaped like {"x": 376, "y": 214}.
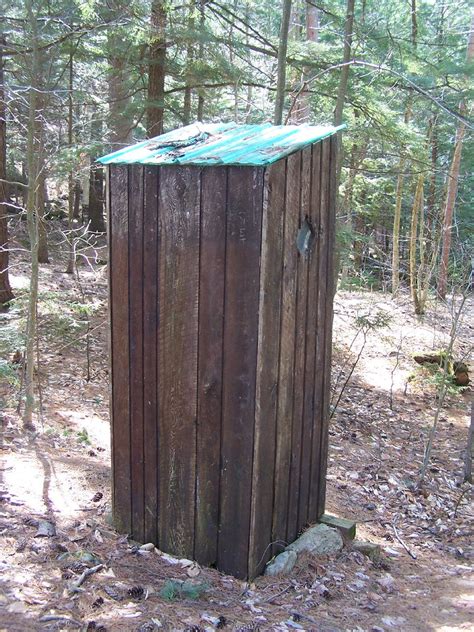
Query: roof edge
{"x": 222, "y": 144}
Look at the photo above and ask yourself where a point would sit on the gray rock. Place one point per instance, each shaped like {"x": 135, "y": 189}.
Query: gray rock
{"x": 371, "y": 550}
{"x": 282, "y": 564}
{"x": 318, "y": 540}
{"x": 46, "y": 529}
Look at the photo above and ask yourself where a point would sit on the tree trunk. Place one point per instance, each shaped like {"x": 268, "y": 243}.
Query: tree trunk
{"x": 95, "y": 209}
{"x": 43, "y": 250}
{"x": 157, "y": 69}
{"x": 32, "y": 222}
{"x": 453, "y": 178}
{"x": 340, "y": 100}
{"x": 431, "y": 197}
{"x": 282, "y": 49}
{"x": 96, "y": 199}
{"x": 357, "y": 158}
{"x": 413, "y": 241}
{"x": 248, "y": 106}
{"x": 6, "y": 293}
{"x": 398, "y": 213}
{"x": 70, "y": 181}
{"x": 76, "y": 213}
{"x": 202, "y": 17}
{"x": 188, "y": 93}
{"x": 118, "y": 97}
{"x": 343, "y": 80}
{"x": 346, "y": 57}
{"x": 414, "y": 24}
{"x": 301, "y": 110}
{"x": 39, "y": 144}
{"x": 312, "y": 35}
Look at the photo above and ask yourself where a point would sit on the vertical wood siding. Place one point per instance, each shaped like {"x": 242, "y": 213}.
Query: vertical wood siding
{"x": 119, "y": 308}
{"x": 151, "y": 249}
{"x": 179, "y": 218}
{"x": 221, "y": 347}
{"x": 210, "y": 365}
{"x": 242, "y": 274}
{"x": 263, "y": 471}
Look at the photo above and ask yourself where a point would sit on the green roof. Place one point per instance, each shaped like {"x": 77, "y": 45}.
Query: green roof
{"x": 222, "y": 144}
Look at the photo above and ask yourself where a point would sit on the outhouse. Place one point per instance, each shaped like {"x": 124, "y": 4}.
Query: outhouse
{"x": 221, "y": 285}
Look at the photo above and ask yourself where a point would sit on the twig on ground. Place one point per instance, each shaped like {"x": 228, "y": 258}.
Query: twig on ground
{"x": 395, "y": 367}
{"x": 410, "y": 553}
{"x": 465, "y": 491}
{"x": 306, "y": 617}
{"x": 282, "y": 592}
{"x": 47, "y": 618}
{"x": 74, "y": 586}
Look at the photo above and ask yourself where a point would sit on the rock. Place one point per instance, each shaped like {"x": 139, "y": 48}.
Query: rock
{"x": 282, "y": 564}
{"x": 346, "y": 527}
{"x": 387, "y": 583}
{"x": 149, "y": 546}
{"x": 46, "y": 529}
{"x": 369, "y": 549}
{"x": 318, "y": 540}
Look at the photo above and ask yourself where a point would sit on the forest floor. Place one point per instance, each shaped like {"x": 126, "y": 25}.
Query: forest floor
{"x": 55, "y": 491}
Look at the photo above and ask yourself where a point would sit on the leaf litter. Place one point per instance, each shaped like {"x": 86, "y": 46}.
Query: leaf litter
{"x": 377, "y": 437}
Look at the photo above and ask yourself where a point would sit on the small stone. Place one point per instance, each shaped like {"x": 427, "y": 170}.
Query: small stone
{"x": 282, "y": 564}
{"x": 371, "y": 506}
{"x": 149, "y": 546}
{"x": 17, "y": 607}
{"x": 318, "y": 540}
{"x": 369, "y": 549}
{"x": 387, "y": 583}
{"x": 46, "y": 529}
{"x": 394, "y": 622}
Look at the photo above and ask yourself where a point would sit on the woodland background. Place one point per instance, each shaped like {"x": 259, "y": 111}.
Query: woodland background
{"x": 79, "y": 78}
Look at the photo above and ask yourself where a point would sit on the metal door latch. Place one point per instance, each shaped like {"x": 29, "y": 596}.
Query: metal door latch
{"x": 305, "y": 238}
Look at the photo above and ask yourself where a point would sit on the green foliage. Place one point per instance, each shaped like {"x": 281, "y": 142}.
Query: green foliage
{"x": 64, "y": 321}
{"x": 362, "y": 280}
{"x": 372, "y": 321}
{"x": 83, "y": 437}
{"x": 9, "y": 373}
{"x": 173, "y": 590}
{"x": 226, "y": 54}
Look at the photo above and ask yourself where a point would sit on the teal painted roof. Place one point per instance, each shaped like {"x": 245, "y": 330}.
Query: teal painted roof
{"x": 221, "y": 144}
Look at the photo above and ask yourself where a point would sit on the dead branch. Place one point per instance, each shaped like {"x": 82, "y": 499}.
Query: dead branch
{"x": 75, "y": 586}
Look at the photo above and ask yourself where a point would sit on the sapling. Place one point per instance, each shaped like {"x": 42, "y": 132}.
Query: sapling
{"x": 444, "y": 384}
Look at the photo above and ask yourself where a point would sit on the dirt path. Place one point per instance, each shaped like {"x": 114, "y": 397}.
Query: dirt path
{"x": 377, "y": 439}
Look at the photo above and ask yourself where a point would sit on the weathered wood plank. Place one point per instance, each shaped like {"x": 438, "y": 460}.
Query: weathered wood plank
{"x": 267, "y": 368}
{"x": 321, "y": 324}
{"x": 150, "y": 358}
{"x": 312, "y": 377}
{"x": 288, "y": 444}
{"x": 305, "y": 349}
{"x": 211, "y": 311}
{"x": 330, "y": 277}
{"x": 135, "y": 279}
{"x": 179, "y": 210}
{"x": 118, "y": 226}
{"x": 244, "y": 209}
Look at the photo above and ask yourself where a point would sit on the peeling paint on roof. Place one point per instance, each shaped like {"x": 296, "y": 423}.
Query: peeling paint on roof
{"x": 222, "y": 144}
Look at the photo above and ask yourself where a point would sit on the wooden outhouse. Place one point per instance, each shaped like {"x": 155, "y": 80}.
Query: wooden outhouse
{"x": 221, "y": 284}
